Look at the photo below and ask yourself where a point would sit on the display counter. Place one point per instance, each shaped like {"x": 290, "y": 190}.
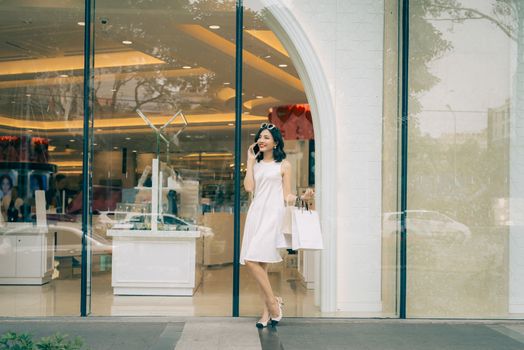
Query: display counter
{"x": 149, "y": 262}
{"x": 26, "y": 254}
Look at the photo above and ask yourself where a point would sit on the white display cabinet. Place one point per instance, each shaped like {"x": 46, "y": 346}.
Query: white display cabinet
{"x": 160, "y": 260}
{"x": 154, "y": 263}
{"x": 26, "y": 254}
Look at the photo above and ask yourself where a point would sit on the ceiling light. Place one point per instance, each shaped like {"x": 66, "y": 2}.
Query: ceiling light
{"x": 186, "y": 67}
{"x": 28, "y": 95}
{"x": 259, "y": 97}
{"x": 95, "y": 144}
{"x": 227, "y": 83}
{"x": 81, "y": 23}
{"x": 214, "y": 26}
{"x": 282, "y": 65}
{"x": 127, "y": 42}
{"x": 115, "y": 147}
{"x": 252, "y": 134}
{"x": 134, "y": 151}
{"x": 71, "y": 140}
{"x": 128, "y": 138}
{"x": 268, "y": 56}
{"x": 63, "y": 75}
{"x": 99, "y": 130}
{"x": 230, "y": 124}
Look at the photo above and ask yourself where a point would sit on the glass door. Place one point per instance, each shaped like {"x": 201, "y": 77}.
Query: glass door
{"x": 163, "y": 158}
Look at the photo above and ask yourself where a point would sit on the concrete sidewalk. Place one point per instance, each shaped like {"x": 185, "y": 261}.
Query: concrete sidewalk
{"x": 203, "y": 333}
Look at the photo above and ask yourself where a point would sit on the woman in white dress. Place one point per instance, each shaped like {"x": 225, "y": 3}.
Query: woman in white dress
{"x": 268, "y": 176}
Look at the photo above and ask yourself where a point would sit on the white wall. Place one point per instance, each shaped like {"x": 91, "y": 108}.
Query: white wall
{"x": 347, "y": 37}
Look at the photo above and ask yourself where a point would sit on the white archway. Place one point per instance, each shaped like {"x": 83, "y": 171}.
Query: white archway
{"x": 306, "y": 62}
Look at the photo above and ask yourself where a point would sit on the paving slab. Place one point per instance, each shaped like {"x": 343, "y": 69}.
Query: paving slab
{"x": 376, "y": 336}
{"x": 236, "y": 334}
{"x": 105, "y": 335}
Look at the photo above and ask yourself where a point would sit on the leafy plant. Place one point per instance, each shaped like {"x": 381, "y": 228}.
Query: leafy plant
{"x": 24, "y": 341}
{"x": 13, "y": 341}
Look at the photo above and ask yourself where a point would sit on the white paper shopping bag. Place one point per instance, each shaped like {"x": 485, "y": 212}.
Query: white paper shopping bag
{"x": 306, "y": 230}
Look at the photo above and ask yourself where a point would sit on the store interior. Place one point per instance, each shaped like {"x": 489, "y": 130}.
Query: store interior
{"x": 163, "y": 123}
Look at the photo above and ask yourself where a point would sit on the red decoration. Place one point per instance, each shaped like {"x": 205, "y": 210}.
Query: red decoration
{"x": 24, "y": 149}
{"x": 294, "y": 121}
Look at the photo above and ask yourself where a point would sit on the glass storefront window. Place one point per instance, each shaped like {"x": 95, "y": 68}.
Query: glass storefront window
{"x": 464, "y": 194}
{"x": 41, "y": 114}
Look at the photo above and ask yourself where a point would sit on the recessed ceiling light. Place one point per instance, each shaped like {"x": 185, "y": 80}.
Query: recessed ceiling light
{"x": 252, "y": 134}
{"x": 186, "y": 67}
{"x": 81, "y": 23}
{"x": 63, "y": 75}
{"x": 127, "y": 42}
{"x": 214, "y": 26}
{"x": 71, "y": 140}
{"x": 227, "y": 83}
{"x": 128, "y": 138}
{"x": 230, "y": 124}
{"x": 282, "y": 65}
{"x": 115, "y": 147}
{"x": 95, "y": 144}
{"x": 28, "y": 95}
{"x": 267, "y": 56}
{"x": 259, "y": 97}
{"x": 134, "y": 151}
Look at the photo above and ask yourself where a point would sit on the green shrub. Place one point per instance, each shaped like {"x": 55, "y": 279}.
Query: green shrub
{"x": 24, "y": 341}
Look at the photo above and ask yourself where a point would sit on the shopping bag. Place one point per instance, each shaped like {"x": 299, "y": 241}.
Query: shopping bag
{"x": 287, "y": 227}
{"x": 306, "y": 232}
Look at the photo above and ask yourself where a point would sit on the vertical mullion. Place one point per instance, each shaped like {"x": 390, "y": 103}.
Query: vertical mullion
{"x": 88, "y": 85}
{"x": 238, "y": 145}
{"x": 404, "y": 157}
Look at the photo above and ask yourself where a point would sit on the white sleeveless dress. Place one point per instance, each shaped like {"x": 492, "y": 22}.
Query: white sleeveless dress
{"x": 263, "y": 228}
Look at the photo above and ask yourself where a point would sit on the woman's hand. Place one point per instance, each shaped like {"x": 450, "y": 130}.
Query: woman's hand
{"x": 290, "y": 199}
{"x": 251, "y": 156}
{"x": 309, "y": 194}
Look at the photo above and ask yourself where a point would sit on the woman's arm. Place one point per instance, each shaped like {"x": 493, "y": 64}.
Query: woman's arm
{"x": 249, "y": 180}
{"x": 286, "y": 182}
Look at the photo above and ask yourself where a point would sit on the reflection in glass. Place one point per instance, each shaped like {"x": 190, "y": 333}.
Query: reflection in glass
{"x": 41, "y": 75}
{"x": 464, "y": 258}
{"x": 163, "y": 155}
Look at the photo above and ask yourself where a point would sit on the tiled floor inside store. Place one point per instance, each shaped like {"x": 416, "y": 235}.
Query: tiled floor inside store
{"x": 61, "y": 297}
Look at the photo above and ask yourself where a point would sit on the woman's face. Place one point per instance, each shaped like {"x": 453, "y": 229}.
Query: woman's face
{"x": 6, "y": 186}
{"x": 265, "y": 141}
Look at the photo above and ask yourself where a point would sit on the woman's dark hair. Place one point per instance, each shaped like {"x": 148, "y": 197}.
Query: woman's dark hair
{"x": 8, "y": 179}
{"x": 278, "y": 152}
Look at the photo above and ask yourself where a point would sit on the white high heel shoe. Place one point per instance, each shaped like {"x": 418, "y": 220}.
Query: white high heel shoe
{"x": 276, "y": 320}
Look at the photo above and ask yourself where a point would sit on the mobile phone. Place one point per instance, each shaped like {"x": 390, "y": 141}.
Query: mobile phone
{"x": 256, "y": 149}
